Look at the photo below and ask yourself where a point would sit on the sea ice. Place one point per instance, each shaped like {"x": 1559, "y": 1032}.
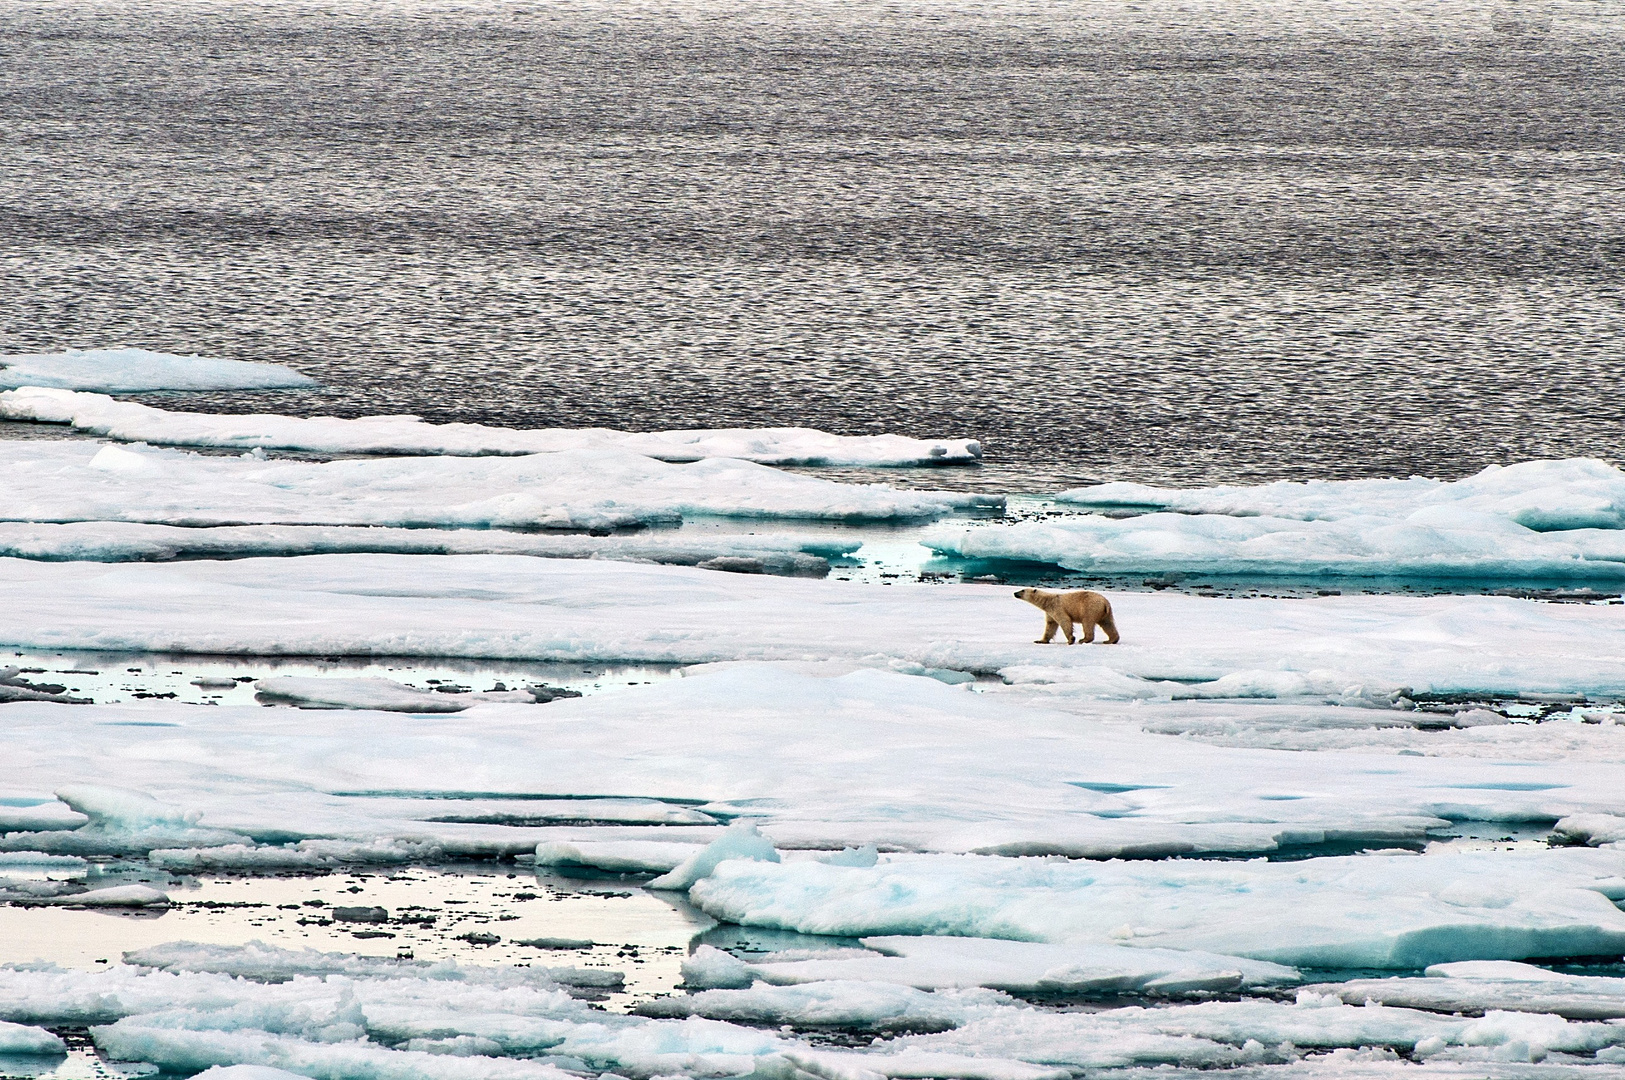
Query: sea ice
{"x": 1547, "y": 496}
{"x": 616, "y": 856}
{"x": 1354, "y": 649}
{"x": 1231, "y": 1033}
{"x": 384, "y": 694}
{"x": 21, "y": 1039}
{"x": 1593, "y": 829}
{"x": 122, "y": 371}
{"x": 741, "y": 840}
{"x": 267, "y": 963}
{"x": 787, "y": 554}
{"x": 1487, "y": 985}
{"x": 602, "y": 489}
{"x": 1374, "y": 911}
{"x": 1020, "y": 967}
{"x": 820, "y": 763}
{"x": 1540, "y": 520}
{"x": 864, "y": 1005}
{"x": 410, "y": 435}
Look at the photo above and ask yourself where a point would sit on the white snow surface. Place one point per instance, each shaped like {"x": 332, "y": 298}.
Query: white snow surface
{"x": 1546, "y": 520}
{"x": 122, "y": 371}
{"x": 1353, "y": 649}
{"x": 80, "y": 480}
{"x": 903, "y": 762}
{"x": 409, "y": 435}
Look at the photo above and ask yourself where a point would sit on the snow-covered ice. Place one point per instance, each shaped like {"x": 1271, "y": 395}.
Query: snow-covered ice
{"x": 1023, "y": 967}
{"x": 1547, "y": 496}
{"x": 328, "y": 692}
{"x": 1353, "y": 649}
{"x": 894, "y": 764}
{"x": 78, "y": 480}
{"x": 1539, "y": 520}
{"x": 790, "y": 554}
{"x": 903, "y": 762}
{"x": 741, "y": 840}
{"x": 123, "y": 371}
{"x": 462, "y": 1022}
{"x": 1367, "y": 911}
{"x": 1479, "y": 986}
{"x": 22, "y": 1039}
{"x": 132, "y": 422}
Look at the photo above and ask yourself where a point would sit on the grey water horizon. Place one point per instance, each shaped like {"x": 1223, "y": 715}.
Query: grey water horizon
{"x": 1175, "y": 243}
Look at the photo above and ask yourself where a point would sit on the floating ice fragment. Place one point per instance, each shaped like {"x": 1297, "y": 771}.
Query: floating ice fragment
{"x": 122, "y": 371}
{"x": 741, "y": 840}
{"x": 304, "y": 855}
{"x": 616, "y": 856}
{"x": 1348, "y": 912}
{"x": 409, "y": 435}
{"x": 1538, "y": 520}
{"x": 334, "y": 693}
{"x": 22, "y": 1040}
{"x": 267, "y": 963}
{"x": 248, "y": 1072}
{"x": 1592, "y": 829}
{"x": 582, "y": 490}
{"x": 709, "y": 968}
{"x": 936, "y": 963}
{"x": 113, "y": 896}
{"x": 866, "y": 855}
{"x": 1486, "y": 986}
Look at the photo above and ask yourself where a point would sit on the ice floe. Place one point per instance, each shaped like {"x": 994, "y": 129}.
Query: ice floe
{"x": 1218, "y": 1034}
{"x": 788, "y": 554}
{"x": 21, "y": 1039}
{"x": 1578, "y": 493}
{"x": 1022, "y": 967}
{"x": 1540, "y": 520}
{"x": 1371, "y": 911}
{"x": 266, "y": 963}
{"x": 383, "y": 1018}
{"x": 1353, "y": 649}
{"x": 409, "y": 435}
{"x": 818, "y": 763}
{"x": 69, "y": 481}
{"x": 327, "y": 692}
{"x": 133, "y": 370}
{"x": 1480, "y": 986}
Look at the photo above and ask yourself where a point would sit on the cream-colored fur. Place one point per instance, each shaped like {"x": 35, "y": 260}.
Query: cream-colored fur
{"x": 1062, "y": 609}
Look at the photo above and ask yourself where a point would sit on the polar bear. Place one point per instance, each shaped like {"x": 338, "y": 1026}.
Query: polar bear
{"x": 1062, "y": 609}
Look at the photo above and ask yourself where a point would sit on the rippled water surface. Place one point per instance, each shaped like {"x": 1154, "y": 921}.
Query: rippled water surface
{"x": 1185, "y": 242}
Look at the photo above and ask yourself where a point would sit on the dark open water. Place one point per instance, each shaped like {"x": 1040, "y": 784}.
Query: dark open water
{"x": 1177, "y": 241}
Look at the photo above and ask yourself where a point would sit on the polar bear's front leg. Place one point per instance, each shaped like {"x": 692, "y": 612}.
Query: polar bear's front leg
{"x": 1067, "y": 626}
{"x": 1050, "y": 627}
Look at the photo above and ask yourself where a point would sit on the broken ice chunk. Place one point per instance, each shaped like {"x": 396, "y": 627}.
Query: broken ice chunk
{"x": 741, "y": 840}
